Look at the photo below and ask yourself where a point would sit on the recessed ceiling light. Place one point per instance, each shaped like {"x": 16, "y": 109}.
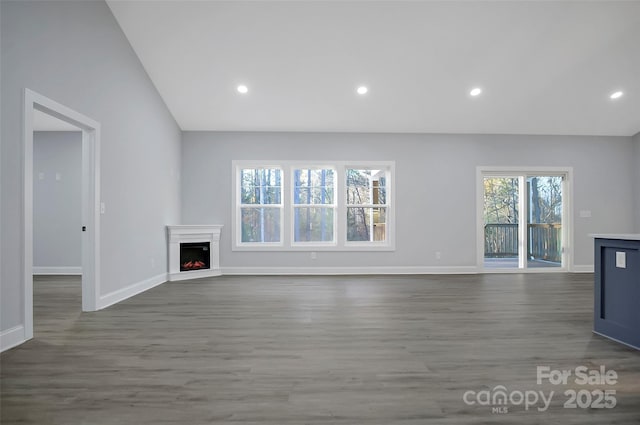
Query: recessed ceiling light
{"x": 616, "y": 95}
{"x": 475, "y": 92}
{"x": 242, "y": 89}
{"x": 362, "y": 90}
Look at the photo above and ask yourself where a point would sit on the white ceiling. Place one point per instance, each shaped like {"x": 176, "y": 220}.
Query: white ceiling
{"x": 545, "y": 67}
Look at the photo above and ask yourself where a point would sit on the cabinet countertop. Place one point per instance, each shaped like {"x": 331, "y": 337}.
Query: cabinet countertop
{"x": 621, "y": 236}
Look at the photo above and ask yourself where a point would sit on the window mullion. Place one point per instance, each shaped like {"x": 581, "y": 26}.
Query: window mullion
{"x": 341, "y": 209}
{"x": 287, "y": 201}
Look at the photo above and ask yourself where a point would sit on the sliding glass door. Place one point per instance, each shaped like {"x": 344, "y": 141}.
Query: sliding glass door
{"x": 544, "y": 221}
{"x": 501, "y": 222}
{"x": 522, "y": 220}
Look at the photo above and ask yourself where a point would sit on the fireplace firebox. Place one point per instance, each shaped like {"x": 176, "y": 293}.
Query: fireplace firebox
{"x": 194, "y": 256}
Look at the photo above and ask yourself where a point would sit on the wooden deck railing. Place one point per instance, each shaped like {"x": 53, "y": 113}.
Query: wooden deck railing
{"x": 500, "y": 240}
{"x": 545, "y": 241}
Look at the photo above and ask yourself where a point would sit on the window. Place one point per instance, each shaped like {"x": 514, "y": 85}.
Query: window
{"x": 296, "y": 205}
{"x": 366, "y": 205}
{"x": 261, "y": 205}
{"x": 313, "y": 205}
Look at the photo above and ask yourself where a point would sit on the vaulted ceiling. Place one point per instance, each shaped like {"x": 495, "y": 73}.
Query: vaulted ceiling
{"x": 543, "y": 67}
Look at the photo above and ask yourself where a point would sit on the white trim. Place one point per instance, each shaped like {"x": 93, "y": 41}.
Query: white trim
{"x": 480, "y": 218}
{"x": 567, "y": 220}
{"x": 583, "y": 268}
{"x": 68, "y": 270}
{"x": 532, "y": 270}
{"x": 351, "y": 247}
{"x": 328, "y": 271}
{"x": 91, "y": 216}
{"x": 131, "y": 290}
{"x": 90, "y": 201}
{"x": 523, "y": 236}
{"x": 27, "y": 214}
{"x": 516, "y": 171}
{"x": 618, "y": 236}
{"x": 12, "y": 337}
{"x": 194, "y": 274}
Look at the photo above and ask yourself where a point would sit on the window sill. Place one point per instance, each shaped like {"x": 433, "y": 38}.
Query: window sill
{"x": 318, "y": 248}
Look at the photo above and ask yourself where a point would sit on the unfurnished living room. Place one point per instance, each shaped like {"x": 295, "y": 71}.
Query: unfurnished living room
{"x": 319, "y": 212}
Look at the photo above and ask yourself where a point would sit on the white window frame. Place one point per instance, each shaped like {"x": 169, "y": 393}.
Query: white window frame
{"x": 340, "y": 242}
{"x": 334, "y": 206}
{"x": 367, "y": 166}
{"x": 237, "y": 202}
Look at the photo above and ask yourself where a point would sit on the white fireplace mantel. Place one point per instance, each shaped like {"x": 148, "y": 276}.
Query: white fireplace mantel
{"x": 186, "y": 233}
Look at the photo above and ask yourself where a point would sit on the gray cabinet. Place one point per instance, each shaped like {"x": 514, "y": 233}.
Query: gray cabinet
{"x": 617, "y": 288}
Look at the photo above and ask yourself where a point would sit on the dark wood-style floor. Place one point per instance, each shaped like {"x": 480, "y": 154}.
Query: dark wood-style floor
{"x": 377, "y": 350}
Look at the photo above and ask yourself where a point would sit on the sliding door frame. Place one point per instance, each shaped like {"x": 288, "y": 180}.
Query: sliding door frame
{"x": 567, "y": 215}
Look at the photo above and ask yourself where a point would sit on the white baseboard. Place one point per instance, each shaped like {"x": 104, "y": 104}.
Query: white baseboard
{"x": 69, "y": 270}
{"x": 347, "y": 270}
{"x": 131, "y": 290}
{"x": 530, "y": 270}
{"x": 583, "y": 269}
{"x": 12, "y": 337}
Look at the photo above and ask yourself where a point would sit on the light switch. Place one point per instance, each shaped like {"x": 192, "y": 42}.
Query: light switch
{"x": 585, "y": 213}
{"x": 102, "y": 208}
{"x": 40, "y": 175}
{"x": 58, "y": 176}
{"x": 621, "y": 260}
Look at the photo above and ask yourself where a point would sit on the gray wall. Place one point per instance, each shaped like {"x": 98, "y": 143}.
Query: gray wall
{"x": 1, "y": 177}
{"x": 76, "y": 54}
{"x": 435, "y": 183}
{"x": 57, "y": 194}
{"x": 636, "y": 180}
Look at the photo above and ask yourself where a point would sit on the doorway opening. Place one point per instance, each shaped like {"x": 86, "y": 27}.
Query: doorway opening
{"x": 57, "y": 219}
{"x": 89, "y": 231}
{"x": 522, "y": 219}
{"x": 57, "y": 191}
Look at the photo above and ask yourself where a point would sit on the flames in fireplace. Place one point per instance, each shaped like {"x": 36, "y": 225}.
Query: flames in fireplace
{"x": 193, "y": 265}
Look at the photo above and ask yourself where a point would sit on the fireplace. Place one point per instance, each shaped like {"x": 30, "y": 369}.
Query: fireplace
{"x": 194, "y": 256}
{"x": 193, "y": 251}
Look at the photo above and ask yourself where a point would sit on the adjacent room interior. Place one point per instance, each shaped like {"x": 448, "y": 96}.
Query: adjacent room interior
{"x": 317, "y": 212}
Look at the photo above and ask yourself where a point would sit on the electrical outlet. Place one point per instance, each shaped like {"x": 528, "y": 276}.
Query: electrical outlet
{"x": 438, "y": 255}
{"x": 153, "y": 263}
{"x": 314, "y": 255}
